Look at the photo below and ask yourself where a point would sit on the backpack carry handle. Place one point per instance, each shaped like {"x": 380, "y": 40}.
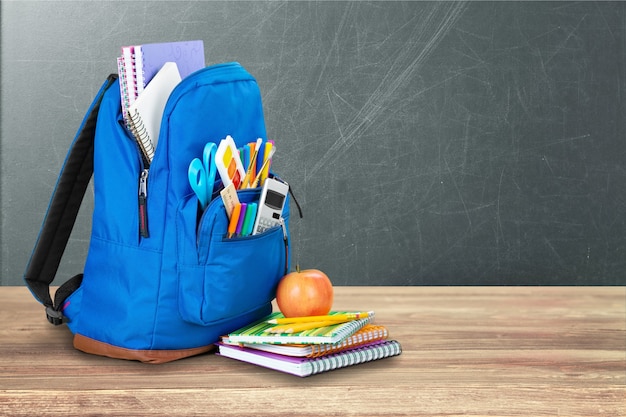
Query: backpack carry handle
{"x": 61, "y": 216}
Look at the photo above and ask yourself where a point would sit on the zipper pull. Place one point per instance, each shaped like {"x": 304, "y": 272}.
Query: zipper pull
{"x": 143, "y": 204}
{"x": 286, "y": 240}
{"x": 282, "y": 224}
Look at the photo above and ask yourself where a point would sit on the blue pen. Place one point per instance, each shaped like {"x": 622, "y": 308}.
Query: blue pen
{"x": 246, "y": 156}
{"x": 259, "y": 159}
{"x": 242, "y": 215}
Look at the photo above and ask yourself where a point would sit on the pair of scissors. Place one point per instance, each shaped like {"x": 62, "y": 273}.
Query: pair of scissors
{"x": 202, "y": 174}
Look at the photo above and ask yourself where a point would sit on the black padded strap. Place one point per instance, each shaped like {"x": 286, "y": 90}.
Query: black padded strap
{"x": 61, "y": 215}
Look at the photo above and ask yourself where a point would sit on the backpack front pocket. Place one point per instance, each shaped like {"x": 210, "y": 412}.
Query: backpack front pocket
{"x": 221, "y": 277}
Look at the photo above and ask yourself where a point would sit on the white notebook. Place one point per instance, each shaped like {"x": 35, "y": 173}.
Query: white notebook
{"x": 146, "y": 112}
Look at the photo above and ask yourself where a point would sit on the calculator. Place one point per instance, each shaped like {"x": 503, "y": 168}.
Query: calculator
{"x": 271, "y": 205}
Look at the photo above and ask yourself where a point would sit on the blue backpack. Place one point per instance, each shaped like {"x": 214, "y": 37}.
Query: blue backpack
{"x": 165, "y": 284}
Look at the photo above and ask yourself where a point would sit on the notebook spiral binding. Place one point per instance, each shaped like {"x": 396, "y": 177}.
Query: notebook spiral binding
{"x": 140, "y": 132}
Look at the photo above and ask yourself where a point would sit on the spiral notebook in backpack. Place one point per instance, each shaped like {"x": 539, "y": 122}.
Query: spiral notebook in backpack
{"x": 163, "y": 279}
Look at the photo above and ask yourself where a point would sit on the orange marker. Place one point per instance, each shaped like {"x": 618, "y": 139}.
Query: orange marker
{"x": 234, "y": 218}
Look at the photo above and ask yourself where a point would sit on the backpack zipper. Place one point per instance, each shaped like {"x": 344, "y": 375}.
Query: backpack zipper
{"x": 143, "y": 184}
{"x": 286, "y": 240}
{"x": 143, "y": 203}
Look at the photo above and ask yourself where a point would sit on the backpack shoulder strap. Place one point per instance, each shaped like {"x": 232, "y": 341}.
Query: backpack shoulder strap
{"x": 61, "y": 215}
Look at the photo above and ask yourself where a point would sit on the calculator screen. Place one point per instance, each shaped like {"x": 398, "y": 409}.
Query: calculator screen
{"x": 274, "y": 200}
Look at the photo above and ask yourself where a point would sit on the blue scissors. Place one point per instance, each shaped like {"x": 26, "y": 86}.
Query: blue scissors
{"x": 202, "y": 174}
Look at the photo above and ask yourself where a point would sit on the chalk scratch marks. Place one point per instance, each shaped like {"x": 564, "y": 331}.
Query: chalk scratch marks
{"x": 425, "y": 38}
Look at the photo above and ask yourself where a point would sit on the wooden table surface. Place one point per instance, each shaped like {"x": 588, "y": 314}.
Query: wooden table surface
{"x": 472, "y": 351}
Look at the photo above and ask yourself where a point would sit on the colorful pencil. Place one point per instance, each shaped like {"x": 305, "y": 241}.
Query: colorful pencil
{"x": 333, "y": 317}
{"x": 300, "y": 327}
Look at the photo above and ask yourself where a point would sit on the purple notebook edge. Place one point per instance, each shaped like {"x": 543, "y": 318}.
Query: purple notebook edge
{"x": 188, "y": 55}
{"x": 299, "y": 359}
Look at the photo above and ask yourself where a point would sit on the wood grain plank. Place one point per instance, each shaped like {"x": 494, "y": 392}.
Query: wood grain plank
{"x": 475, "y": 351}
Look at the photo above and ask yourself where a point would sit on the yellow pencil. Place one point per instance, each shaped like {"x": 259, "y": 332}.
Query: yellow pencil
{"x": 249, "y": 175}
{"x": 300, "y": 327}
{"x": 264, "y": 168}
{"x": 308, "y": 319}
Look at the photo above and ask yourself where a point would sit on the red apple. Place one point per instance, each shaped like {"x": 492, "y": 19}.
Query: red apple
{"x": 306, "y": 292}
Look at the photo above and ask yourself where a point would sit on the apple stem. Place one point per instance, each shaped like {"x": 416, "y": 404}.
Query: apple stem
{"x": 298, "y": 268}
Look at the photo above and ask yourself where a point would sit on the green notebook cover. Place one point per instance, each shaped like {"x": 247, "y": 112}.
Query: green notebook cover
{"x": 257, "y": 332}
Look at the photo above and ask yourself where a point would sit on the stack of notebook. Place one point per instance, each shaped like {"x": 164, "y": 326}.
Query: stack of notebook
{"x": 301, "y": 349}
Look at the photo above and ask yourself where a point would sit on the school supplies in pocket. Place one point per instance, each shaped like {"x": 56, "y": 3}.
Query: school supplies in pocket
{"x": 164, "y": 277}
